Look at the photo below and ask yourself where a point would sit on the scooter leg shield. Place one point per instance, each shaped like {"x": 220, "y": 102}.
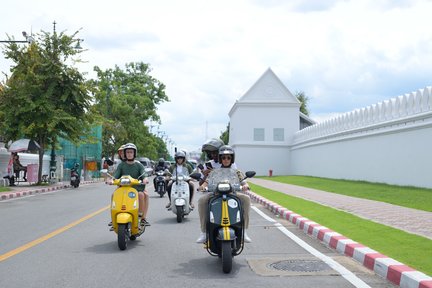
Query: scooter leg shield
{"x": 123, "y": 218}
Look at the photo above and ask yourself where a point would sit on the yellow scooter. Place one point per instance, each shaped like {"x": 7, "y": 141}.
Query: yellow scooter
{"x": 124, "y": 210}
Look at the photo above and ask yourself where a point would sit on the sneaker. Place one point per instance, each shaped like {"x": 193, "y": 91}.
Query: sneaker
{"x": 144, "y": 222}
{"x": 202, "y": 238}
{"x": 168, "y": 205}
{"x": 191, "y": 205}
{"x": 110, "y": 224}
{"x": 247, "y": 239}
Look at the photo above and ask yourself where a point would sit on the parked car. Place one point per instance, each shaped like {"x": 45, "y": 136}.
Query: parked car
{"x": 147, "y": 164}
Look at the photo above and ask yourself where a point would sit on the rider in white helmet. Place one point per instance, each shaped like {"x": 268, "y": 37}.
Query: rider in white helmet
{"x": 181, "y": 167}
{"x": 136, "y": 170}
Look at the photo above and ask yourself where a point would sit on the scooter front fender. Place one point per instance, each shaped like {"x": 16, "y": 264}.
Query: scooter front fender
{"x": 123, "y": 218}
{"x": 180, "y": 202}
{"x": 226, "y": 234}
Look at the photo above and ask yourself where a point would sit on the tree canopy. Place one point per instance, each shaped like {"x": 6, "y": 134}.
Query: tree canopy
{"x": 124, "y": 100}
{"x": 45, "y": 97}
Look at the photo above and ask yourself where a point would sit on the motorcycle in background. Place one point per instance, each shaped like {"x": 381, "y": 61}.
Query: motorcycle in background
{"x": 160, "y": 183}
{"x": 225, "y": 222}
{"x": 74, "y": 176}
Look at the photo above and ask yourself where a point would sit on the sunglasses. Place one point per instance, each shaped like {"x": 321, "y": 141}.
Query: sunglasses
{"x": 226, "y": 157}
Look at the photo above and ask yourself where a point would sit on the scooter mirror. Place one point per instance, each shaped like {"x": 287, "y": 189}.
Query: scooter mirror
{"x": 250, "y": 174}
{"x": 196, "y": 176}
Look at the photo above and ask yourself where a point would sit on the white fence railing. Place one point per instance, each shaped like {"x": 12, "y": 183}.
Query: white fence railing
{"x": 388, "y": 142}
{"x": 408, "y": 108}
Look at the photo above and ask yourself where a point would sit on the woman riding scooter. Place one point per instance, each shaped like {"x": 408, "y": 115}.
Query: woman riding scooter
{"x": 180, "y": 168}
{"x": 226, "y": 159}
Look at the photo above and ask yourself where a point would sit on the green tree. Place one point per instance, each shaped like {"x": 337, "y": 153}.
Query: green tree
{"x": 225, "y": 135}
{"x": 301, "y": 96}
{"x": 46, "y": 97}
{"x": 124, "y": 100}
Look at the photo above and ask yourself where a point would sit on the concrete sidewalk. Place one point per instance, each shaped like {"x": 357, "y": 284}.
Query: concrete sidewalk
{"x": 27, "y": 189}
{"x": 407, "y": 219}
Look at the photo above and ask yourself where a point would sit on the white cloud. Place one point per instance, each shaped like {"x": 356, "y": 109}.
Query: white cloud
{"x": 343, "y": 54}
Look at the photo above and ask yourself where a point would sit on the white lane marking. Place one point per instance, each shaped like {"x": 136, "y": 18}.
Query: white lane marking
{"x": 348, "y": 275}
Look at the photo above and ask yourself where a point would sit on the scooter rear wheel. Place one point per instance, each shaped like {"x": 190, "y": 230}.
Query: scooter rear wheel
{"x": 226, "y": 256}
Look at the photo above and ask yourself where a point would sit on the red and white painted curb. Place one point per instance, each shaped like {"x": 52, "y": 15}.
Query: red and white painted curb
{"x": 390, "y": 269}
{"x": 30, "y": 191}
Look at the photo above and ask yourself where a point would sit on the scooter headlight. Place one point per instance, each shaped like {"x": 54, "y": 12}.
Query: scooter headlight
{"x": 224, "y": 187}
{"x": 125, "y": 181}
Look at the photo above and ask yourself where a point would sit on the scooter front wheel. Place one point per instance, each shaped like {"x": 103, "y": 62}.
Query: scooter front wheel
{"x": 226, "y": 256}
{"x": 179, "y": 214}
{"x": 122, "y": 236}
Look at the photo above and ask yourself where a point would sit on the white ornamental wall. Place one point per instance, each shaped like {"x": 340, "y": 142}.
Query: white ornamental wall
{"x": 389, "y": 142}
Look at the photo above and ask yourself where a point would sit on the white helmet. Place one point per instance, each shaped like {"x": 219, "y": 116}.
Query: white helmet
{"x": 130, "y": 146}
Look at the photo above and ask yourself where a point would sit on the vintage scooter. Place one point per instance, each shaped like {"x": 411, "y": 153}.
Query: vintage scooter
{"x": 180, "y": 197}
{"x": 124, "y": 210}
{"x": 225, "y": 222}
{"x": 74, "y": 176}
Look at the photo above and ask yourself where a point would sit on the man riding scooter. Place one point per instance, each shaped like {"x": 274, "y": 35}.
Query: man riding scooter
{"x": 136, "y": 170}
{"x": 161, "y": 166}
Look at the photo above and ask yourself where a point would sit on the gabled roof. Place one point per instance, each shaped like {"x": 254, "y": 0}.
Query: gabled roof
{"x": 269, "y": 88}
{"x": 307, "y": 119}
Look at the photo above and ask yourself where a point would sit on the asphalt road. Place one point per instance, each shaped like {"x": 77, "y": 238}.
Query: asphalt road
{"x": 61, "y": 239}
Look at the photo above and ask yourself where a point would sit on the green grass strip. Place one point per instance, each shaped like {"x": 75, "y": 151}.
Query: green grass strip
{"x": 412, "y": 250}
{"x": 406, "y": 196}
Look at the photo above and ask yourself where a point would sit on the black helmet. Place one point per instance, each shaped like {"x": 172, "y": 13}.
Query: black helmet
{"x": 129, "y": 146}
{"x": 226, "y": 150}
{"x": 211, "y": 145}
{"x": 161, "y": 162}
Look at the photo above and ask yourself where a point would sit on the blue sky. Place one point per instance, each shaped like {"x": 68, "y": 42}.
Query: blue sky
{"x": 343, "y": 54}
